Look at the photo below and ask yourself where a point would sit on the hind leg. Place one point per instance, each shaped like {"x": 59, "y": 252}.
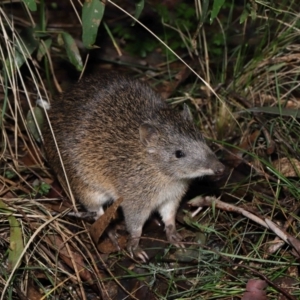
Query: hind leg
{"x": 93, "y": 201}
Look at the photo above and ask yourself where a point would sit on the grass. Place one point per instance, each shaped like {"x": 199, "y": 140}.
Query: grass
{"x": 46, "y": 252}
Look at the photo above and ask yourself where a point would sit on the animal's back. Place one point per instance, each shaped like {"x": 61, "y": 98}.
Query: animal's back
{"x": 101, "y": 108}
{"x": 111, "y": 96}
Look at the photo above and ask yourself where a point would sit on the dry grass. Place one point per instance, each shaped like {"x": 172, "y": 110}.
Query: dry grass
{"x": 47, "y": 254}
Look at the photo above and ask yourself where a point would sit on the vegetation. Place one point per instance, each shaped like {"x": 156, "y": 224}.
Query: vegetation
{"x": 236, "y": 64}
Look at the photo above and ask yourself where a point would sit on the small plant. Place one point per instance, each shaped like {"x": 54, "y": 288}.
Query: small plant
{"x": 248, "y": 53}
{"x": 40, "y": 187}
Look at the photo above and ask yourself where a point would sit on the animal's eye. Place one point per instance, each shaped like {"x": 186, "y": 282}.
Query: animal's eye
{"x": 179, "y": 154}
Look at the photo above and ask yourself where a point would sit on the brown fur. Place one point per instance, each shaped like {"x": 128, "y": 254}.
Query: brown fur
{"x": 117, "y": 138}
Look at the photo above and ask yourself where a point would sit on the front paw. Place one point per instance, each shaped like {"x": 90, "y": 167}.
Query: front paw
{"x": 173, "y": 236}
{"x": 136, "y": 251}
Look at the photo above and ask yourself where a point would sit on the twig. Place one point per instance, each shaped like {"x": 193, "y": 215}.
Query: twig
{"x": 200, "y": 201}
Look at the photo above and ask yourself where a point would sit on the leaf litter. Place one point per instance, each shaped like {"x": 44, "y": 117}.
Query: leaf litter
{"x": 65, "y": 255}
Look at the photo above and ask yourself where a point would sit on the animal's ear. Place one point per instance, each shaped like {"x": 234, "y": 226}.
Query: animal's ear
{"x": 186, "y": 113}
{"x": 148, "y": 135}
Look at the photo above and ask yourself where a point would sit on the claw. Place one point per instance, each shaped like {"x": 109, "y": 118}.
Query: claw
{"x": 142, "y": 255}
{"x": 135, "y": 251}
{"x": 174, "y": 237}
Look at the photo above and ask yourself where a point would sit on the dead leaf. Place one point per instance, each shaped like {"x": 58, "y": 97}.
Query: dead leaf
{"x": 107, "y": 246}
{"x": 55, "y": 241}
{"x": 101, "y": 224}
{"x": 33, "y": 292}
{"x": 288, "y": 167}
{"x": 32, "y": 156}
{"x": 167, "y": 88}
{"x": 288, "y": 282}
{"x": 56, "y": 190}
{"x": 234, "y": 157}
